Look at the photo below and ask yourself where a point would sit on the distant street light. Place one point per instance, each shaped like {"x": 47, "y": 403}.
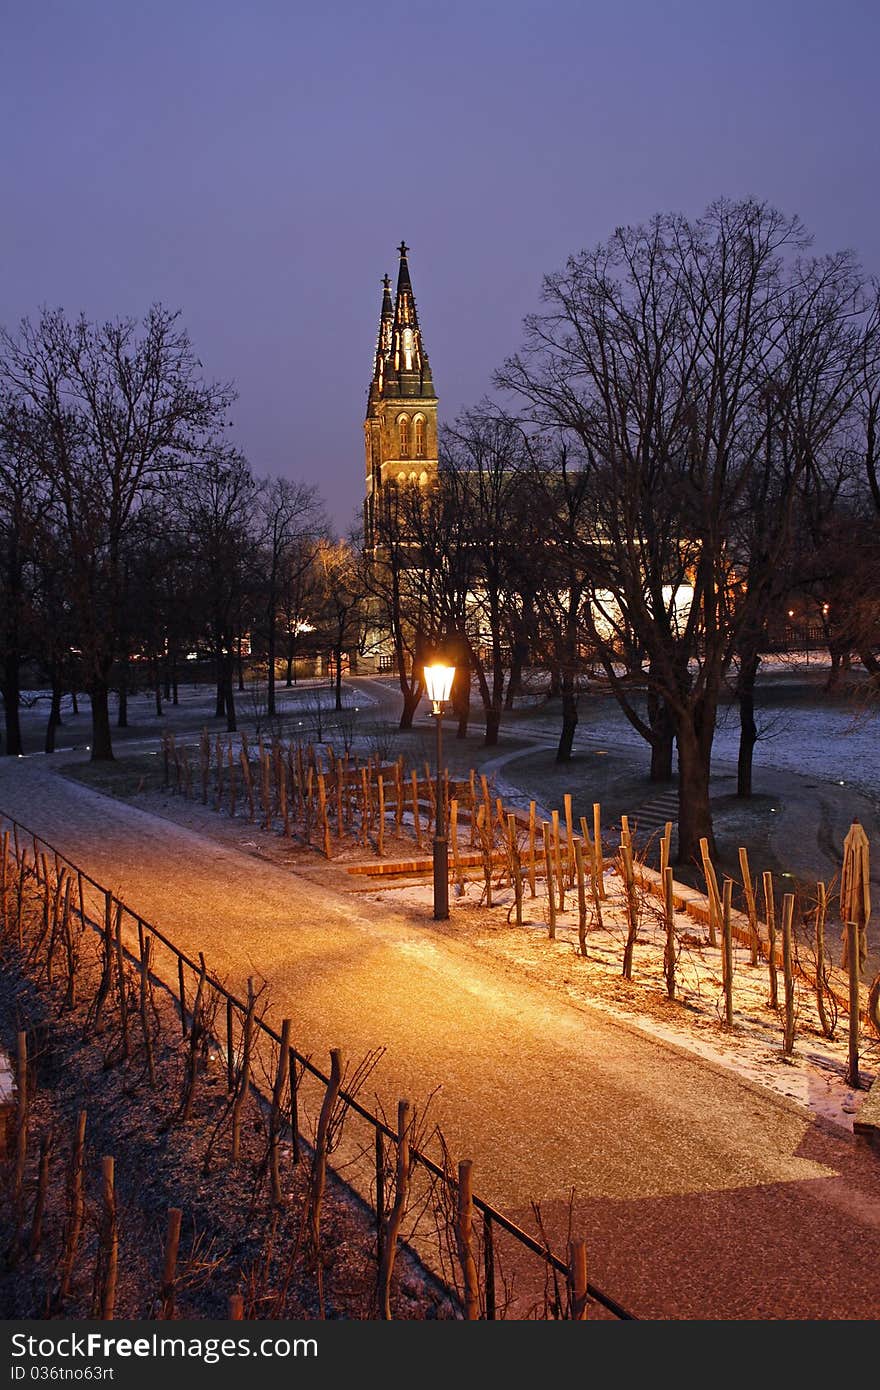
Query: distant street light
{"x": 438, "y": 683}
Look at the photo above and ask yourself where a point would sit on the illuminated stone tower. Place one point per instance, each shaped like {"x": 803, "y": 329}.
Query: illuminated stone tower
{"x": 401, "y": 426}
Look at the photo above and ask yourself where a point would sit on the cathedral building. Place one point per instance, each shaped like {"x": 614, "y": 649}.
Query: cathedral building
{"x": 400, "y": 430}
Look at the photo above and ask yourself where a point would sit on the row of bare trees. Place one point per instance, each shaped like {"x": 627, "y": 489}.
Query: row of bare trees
{"x": 689, "y": 438}
{"x": 132, "y": 532}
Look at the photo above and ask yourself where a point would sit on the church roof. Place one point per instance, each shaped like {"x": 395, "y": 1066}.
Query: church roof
{"x": 401, "y": 366}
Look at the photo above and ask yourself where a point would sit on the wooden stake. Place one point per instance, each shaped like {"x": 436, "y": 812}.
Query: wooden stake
{"x": 453, "y": 836}
{"x": 770, "y": 918}
{"x": 595, "y": 865}
{"x": 244, "y": 1075}
{"x": 486, "y": 852}
{"x": 515, "y": 868}
{"x": 532, "y": 814}
{"x": 582, "y": 897}
{"x": 398, "y": 1208}
{"x": 146, "y": 1030}
{"x": 75, "y": 1206}
{"x": 712, "y": 894}
{"x": 751, "y": 907}
{"x": 169, "y": 1262}
{"x": 380, "y": 837}
{"x": 121, "y": 982}
{"x": 548, "y": 870}
{"x": 669, "y": 919}
{"x": 398, "y": 793}
{"x": 322, "y": 812}
{"x": 109, "y": 1241}
{"x": 579, "y": 1280}
{"x": 727, "y": 951}
{"x": 281, "y": 1077}
{"x": 631, "y": 908}
{"x": 665, "y": 846}
{"x": 464, "y": 1240}
{"x": 821, "y": 973}
{"x": 566, "y": 802}
{"x": 557, "y": 859}
{"x": 473, "y": 807}
{"x": 853, "y": 1073}
{"x": 597, "y": 850}
{"x": 788, "y": 973}
{"x": 36, "y": 1235}
{"x": 319, "y": 1162}
{"x": 417, "y": 824}
{"x": 484, "y": 785}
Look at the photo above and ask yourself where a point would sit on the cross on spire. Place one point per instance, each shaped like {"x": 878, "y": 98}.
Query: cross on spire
{"x": 403, "y": 248}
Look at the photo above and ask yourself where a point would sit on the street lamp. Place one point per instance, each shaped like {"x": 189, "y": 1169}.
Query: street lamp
{"x": 438, "y": 683}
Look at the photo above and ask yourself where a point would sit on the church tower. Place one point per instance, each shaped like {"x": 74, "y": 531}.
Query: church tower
{"x": 401, "y": 426}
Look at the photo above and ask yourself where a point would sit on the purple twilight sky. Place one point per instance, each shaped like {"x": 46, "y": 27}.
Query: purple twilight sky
{"x": 256, "y": 164}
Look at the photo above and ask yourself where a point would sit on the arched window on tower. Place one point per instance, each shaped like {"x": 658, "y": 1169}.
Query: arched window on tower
{"x": 403, "y": 431}
{"x": 419, "y": 435}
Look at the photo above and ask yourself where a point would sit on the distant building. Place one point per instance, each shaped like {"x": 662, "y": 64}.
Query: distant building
{"x": 400, "y": 430}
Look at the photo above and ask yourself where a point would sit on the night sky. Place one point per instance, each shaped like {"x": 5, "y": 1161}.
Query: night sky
{"x": 255, "y": 165}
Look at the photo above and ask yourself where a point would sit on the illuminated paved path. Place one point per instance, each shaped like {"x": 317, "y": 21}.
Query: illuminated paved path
{"x": 698, "y": 1195}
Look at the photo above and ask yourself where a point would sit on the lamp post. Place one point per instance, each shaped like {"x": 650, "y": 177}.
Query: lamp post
{"x": 438, "y": 683}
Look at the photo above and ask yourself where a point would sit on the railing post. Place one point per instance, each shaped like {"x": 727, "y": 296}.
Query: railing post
{"x": 182, "y": 994}
{"x": 489, "y": 1266}
{"x": 380, "y": 1191}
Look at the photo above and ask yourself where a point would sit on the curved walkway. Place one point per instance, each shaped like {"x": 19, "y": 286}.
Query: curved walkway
{"x": 699, "y": 1195}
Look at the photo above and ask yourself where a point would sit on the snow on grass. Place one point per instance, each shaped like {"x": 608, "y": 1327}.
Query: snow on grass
{"x": 813, "y": 1077}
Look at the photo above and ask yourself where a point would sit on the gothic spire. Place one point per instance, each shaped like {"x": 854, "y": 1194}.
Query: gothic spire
{"x": 408, "y": 372}
{"x": 383, "y": 341}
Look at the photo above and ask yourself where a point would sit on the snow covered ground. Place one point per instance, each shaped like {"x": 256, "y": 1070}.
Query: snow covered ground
{"x": 834, "y": 741}
{"x": 814, "y": 1076}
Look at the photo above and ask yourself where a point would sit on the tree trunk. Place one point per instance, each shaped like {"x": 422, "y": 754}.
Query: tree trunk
{"x": 229, "y": 698}
{"x": 122, "y": 717}
{"x": 270, "y": 672}
{"x": 663, "y": 731}
{"x": 748, "y": 729}
{"x": 461, "y": 703}
{"x": 11, "y": 703}
{"x": 694, "y": 814}
{"x": 569, "y": 718}
{"x": 102, "y": 742}
{"x": 54, "y": 711}
{"x": 338, "y": 678}
{"x": 661, "y": 759}
{"x": 493, "y": 726}
{"x": 74, "y": 702}
{"x": 518, "y": 658}
{"x": 220, "y": 663}
{"x": 412, "y": 694}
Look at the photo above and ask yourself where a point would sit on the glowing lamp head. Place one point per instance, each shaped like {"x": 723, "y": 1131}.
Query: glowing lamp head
{"x": 438, "y": 683}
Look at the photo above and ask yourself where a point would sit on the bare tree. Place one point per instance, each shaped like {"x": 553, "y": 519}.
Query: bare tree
{"x": 655, "y": 355}
{"x": 217, "y": 504}
{"x": 111, "y": 414}
{"x": 290, "y": 519}
{"x": 340, "y": 608}
{"x": 22, "y": 508}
